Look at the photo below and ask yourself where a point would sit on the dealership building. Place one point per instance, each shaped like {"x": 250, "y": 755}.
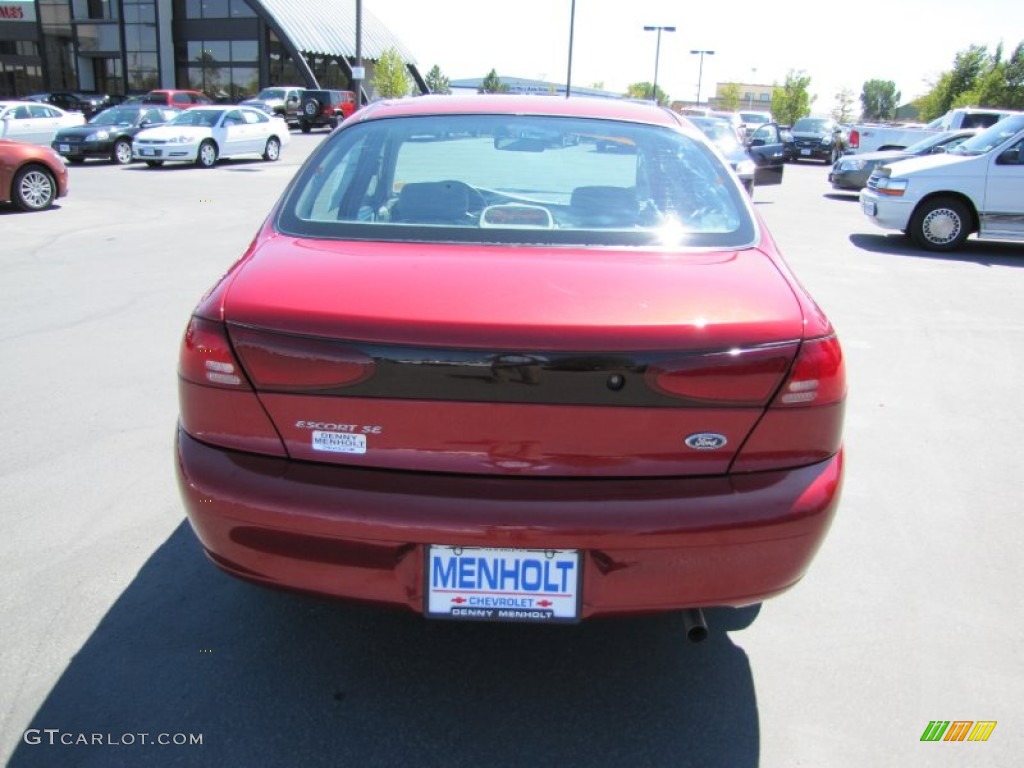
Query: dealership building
{"x": 228, "y": 49}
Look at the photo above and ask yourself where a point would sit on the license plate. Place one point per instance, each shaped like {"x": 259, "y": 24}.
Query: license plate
{"x": 805, "y": 151}
{"x": 63, "y": 147}
{"x": 147, "y": 151}
{"x": 485, "y": 584}
{"x": 868, "y": 206}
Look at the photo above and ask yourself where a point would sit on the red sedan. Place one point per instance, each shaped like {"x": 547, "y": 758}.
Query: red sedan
{"x": 474, "y": 367}
{"x": 31, "y": 176}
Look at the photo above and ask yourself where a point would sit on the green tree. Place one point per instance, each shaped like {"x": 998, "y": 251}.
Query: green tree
{"x": 954, "y": 87}
{"x": 643, "y": 91}
{"x": 390, "y": 78}
{"x": 879, "y": 99}
{"x": 437, "y": 82}
{"x": 492, "y": 84}
{"x": 1002, "y": 85}
{"x": 842, "y": 112}
{"x": 792, "y": 101}
{"x": 729, "y": 97}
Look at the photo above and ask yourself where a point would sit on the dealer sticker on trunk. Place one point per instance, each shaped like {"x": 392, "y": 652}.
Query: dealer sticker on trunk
{"x": 489, "y": 584}
{"x": 339, "y": 442}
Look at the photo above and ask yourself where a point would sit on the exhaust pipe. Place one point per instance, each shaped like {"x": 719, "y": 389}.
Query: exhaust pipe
{"x": 694, "y": 625}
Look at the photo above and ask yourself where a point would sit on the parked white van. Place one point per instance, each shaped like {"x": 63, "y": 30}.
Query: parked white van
{"x": 975, "y": 188}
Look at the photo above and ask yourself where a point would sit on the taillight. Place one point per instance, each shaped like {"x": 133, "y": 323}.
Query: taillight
{"x": 854, "y": 140}
{"x": 738, "y": 377}
{"x": 818, "y": 376}
{"x": 217, "y": 404}
{"x": 804, "y": 423}
{"x": 206, "y": 356}
{"x": 279, "y": 362}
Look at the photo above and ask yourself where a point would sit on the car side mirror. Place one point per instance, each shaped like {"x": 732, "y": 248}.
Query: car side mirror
{"x": 1009, "y": 157}
{"x": 144, "y": 122}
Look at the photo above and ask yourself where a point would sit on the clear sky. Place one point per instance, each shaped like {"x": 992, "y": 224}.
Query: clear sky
{"x": 838, "y": 44}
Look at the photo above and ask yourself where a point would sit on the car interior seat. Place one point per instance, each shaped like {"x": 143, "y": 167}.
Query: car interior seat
{"x": 432, "y": 202}
{"x": 605, "y": 206}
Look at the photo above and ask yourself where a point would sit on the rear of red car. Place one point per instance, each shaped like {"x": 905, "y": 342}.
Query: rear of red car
{"x": 474, "y": 367}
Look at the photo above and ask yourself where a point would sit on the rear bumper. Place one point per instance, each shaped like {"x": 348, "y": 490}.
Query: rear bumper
{"x": 648, "y": 544}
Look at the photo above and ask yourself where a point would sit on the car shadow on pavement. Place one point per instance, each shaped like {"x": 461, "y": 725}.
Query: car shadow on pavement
{"x": 983, "y": 252}
{"x": 843, "y": 197}
{"x": 276, "y": 679}
{"x": 11, "y": 208}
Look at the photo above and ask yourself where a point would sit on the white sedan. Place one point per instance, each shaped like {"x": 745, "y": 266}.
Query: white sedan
{"x": 34, "y": 123}
{"x": 204, "y": 135}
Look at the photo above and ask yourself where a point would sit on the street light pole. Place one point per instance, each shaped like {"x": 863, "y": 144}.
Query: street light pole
{"x": 700, "y": 74}
{"x": 750, "y": 98}
{"x": 568, "y": 74}
{"x": 657, "y": 55}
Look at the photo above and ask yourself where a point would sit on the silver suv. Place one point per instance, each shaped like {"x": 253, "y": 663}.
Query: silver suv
{"x": 281, "y": 100}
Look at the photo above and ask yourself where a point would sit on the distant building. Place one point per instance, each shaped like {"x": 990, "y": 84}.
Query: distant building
{"x": 752, "y": 96}
{"x": 226, "y": 48}
{"x": 523, "y": 85}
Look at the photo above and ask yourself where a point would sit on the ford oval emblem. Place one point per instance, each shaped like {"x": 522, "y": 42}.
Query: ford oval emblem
{"x": 706, "y": 441}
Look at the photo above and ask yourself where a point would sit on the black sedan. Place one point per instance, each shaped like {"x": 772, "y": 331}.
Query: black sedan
{"x": 108, "y": 136}
{"x": 74, "y": 101}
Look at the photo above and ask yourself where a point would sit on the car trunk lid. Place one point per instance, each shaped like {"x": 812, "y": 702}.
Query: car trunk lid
{"x": 527, "y": 360}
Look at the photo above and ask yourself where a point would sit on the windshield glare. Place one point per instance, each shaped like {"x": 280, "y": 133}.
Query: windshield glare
{"x": 517, "y": 179}
{"x": 115, "y": 117}
{"x": 197, "y": 117}
{"x": 271, "y": 93}
{"x": 719, "y": 131}
{"x": 811, "y": 124}
{"x": 990, "y": 138}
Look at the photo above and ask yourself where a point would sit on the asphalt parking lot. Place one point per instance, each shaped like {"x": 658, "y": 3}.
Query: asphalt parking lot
{"x": 115, "y": 624}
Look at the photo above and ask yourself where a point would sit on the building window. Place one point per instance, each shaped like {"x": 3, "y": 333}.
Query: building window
{"x": 209, "y": 51}
{"x": 140, "y": 13}
{"x": 94, "y": 10}
{"x": 140, "y": 37}
{"x": 239, "y": 9}
{"x": 224, "y": 84}
{"x": 99, "y": 38}
{"x": 143, "y": 71}
{"x": 244, "y": 51}
{"x": 206, "y": 9}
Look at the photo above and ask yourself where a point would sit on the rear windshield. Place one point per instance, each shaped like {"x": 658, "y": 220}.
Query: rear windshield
{"x": 517, "y": 179}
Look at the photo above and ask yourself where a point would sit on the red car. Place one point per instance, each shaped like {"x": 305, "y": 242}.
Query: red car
{"x": 31, "y": 176}
{"x": 176, "y": 98}
{"x": 473, "y": 367}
